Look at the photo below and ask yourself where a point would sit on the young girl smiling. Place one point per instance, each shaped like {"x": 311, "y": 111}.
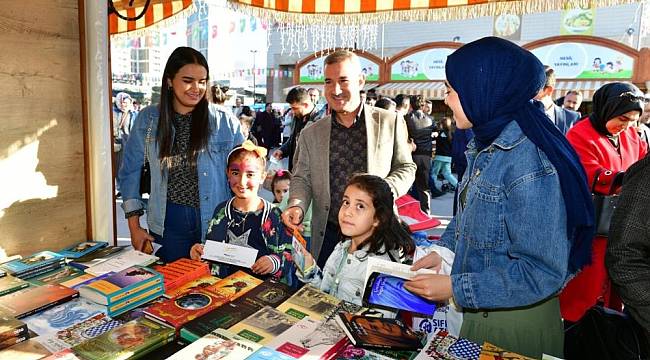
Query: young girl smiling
{"x": 250, "y": 221}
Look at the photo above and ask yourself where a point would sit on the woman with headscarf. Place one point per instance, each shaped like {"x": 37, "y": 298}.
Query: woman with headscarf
{"x": 608, "y": 145}
{"x": 525, "y": 218}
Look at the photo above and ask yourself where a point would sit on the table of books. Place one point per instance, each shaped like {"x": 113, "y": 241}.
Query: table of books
{"x": 98, "y": 302}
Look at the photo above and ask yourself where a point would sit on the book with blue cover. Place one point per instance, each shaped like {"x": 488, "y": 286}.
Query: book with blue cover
{"x": 62, "y": 316}
{"x": 34, "y": 263}
{"x": 121, "y": 285}
{"x": 82, "y": 249}
{"x": 56, "y": 276}
{"x": 269, "y": 354}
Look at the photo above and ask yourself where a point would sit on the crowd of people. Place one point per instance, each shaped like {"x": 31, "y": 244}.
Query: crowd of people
{"x": 529, "y": 261}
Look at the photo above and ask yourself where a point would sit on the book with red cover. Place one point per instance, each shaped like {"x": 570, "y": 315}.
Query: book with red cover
{"x": 32, "y": 300}
{"x": 186, "y": 307}
{"x": 181, "y": 271}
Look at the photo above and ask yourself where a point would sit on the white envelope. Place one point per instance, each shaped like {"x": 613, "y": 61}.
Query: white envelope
{"x": 229, "y": 254}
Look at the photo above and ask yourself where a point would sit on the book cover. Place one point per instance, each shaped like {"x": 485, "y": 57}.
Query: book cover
{"x": 57, "y": 276}
{"x": 84, "y": 279}
{"x": 202, "y": 282}
{"x": 26, "y": 350}
{"x": 10, "y": 327}
{"x": 264, "y": 325}
{"x": 374, "y": 332}
{"x": 269, "y": 293}
{"x": 62, "y": 316}
{"x": 65, "y": 354}
{"x": 222, "y": 317}
{"x": 445, "y": 346}
{"x": 40, "y": 270}
{"x": 120, "y": 285}
{"x": 31, "y": 300}
{"x": 123, "y": 260}
{"x": 82, "y": 249}
{"x": 311, "y": 302}
{"x": 9, "y": 284}
{"x": 9, "y": 342}
{"x": 35, "y": 261}
{"x": 96, "y": 257}
{"x": 78, "y": 333}
{"x": 492, "y": 352}
{"x": 186, "y": 307}
{"x": 135, "y": 300}
{"x": 350, "y": 352}
{"x": 266, "y": 353}
{"x": 235, "y": 285}
{"x": 134, "y": 338}
{"x": 221, "y": 345}
{"x": 181, "y": 271}
{"x": 311, "y": 339}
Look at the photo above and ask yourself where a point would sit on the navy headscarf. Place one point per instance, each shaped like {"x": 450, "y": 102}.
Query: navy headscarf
{"x": 495, "y": 81}
{"x": 612, "y": 100}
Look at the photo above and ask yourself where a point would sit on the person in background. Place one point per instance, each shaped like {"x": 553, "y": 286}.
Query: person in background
{"x": 265, "y": 127}
{"x": 525, "y": 209}
{"x": 355, "y": 138}
{"x": 403, "y": 104}
{"x": 442, "y": 160}
{"x": 280, "y": 185}
{"x": 386, "y": 103}
{"x": 607, "y": 145}
{"x": 237, "y": 109}
{"x": 186, "y": 140}
{"x": 420, "y": 128}
{"x": 459, "y": 143}
{"x": 572, "y": 100}
{"x": 562, "y": 118}
{"x": 371, "y": 98}
{"x": 363, "y": 95}
{"x": 626, "y": 258}
{"x": 123, "y": 120}
{"x": 643, "y": 125}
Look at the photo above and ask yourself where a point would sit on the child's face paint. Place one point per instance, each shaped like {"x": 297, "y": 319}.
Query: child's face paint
{"x": 245, "y": 175}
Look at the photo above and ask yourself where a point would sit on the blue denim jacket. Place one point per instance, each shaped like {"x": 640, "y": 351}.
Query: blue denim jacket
{"x": 211, "y": 167}
{"x": 509, "y": 234}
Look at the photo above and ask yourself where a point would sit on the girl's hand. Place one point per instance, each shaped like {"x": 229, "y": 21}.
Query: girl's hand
{"x": 262, "y": 266}
{"x": 431, "y": 261}
{"x": 196, "y": 251}
{"x": 432, "y": 287}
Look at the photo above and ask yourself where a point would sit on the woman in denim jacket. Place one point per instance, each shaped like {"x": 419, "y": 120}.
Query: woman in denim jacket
{"x": 186, "y": 142}
{"x": 525, "y": 217}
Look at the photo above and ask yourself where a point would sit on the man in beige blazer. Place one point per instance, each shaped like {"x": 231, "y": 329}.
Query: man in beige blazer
{"x": 354, "y": 138}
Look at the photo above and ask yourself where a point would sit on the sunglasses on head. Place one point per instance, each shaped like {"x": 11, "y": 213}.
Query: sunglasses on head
{"x": 630, "y": 96}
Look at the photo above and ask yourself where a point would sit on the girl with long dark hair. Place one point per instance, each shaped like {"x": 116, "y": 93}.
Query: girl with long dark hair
{"x": 186, "y": 141}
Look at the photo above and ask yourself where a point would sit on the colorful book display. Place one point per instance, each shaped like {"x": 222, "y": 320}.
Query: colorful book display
{"x": 311, "y": 339}
{"x": 235, "y": 285}
{"x": 78, "y": 333}
{"x": 177, "y": 311}
{"x": 311, "y": 302}
{"x": 181, "y": 272}
{"x": 221, "y": 344}
{"x": 62, "y": 316}
{"x": 32, "y": 300}
{"x": 37, "y": 264}
{"x": 264, "y": 325}
{"x": 9, "y": 284}
{"x": 131, "y": 340}
{"x": 124, "y": 290}
{"x": 373, "y": 332}
{"x": 82, "y": 249}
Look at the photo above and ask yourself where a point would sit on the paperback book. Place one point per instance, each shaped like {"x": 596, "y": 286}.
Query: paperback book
{"x": 9, "y": 284}
{"x": 62, "y": 316}
{"x": 34, "y": 265}
{"x": 96, "y": 257}
{"x": 269, "y": 293}
{"x": 121, "y": 285}
{"x": 12, "y": 331}
{"x": 222, "y": 317}
{"x": 373, "y": 332}
{"x": 177, "y": 311}
{"x": 311, "y": 302}
{"x": 78, "y": 333}
{"x": 235, "y": 285}
{"x": 311, "y": 339}
{"x": 182, "y": 271}
{"x": 29, "y": 301}
{"x": 123, "y": 260}
{"x": 266, "y": 353}
{"x": 131, "y": 340}
{"x": 136, "y": 300}
{"x": 84, "y": 279}
{"x": 351, "y": 352}
{"x": 221, "y": 344}
{"x": 264, "y": 325}
{"x": 202, "y": 282}
{"x": 445, "y": 346}
{"x": 57, "y": 276}
{"x": 82, "y": 249}
{"x": 26, "y": 350}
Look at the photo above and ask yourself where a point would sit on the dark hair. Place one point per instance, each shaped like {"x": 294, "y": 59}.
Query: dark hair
{"x": 391, "y": 233}
{"x": 385, "y": 103}
{"x": 298, "y": 95}
{"x": 246, "y": 110}
{"x": 447, "y": 125}
{"x": 279, "y": 176}
{"x": 550, "y": 76}
{"x": 362, "y": 92}
{"x": 218, "y": 93}
{"x": 200, "y": 131}
{"x": 399, "y": 100}
{"x": 417, "y": 102}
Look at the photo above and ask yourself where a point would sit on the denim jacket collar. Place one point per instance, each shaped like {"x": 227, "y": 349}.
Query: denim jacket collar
{"x": 510, "y": 136}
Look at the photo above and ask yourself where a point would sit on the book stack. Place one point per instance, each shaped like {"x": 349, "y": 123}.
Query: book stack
{"x": 269, "y": 293}
{"x": 31, "y": 300}
{"x": 182, "y": 271}
{"x": 124, "y": 290}
{"x": 9, "y": 284}
{"x": 82, "y": 249}
{"x": 12, "y": 331}
{"x": 37, "y": 264}
{"x": 134, "y": 339}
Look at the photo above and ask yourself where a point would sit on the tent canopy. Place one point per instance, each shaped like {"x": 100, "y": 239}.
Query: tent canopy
{"x": 147, "y": 14}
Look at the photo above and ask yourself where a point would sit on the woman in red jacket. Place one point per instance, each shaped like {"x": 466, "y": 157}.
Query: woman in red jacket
{"x": 607, "y": 145}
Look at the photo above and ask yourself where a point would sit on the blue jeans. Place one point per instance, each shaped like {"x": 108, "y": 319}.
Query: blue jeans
{"x": 182, "y": 230}
{"x": 440, "y": 164}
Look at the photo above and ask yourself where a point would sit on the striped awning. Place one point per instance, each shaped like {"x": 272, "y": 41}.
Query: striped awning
{"x": 434, "y": 90}
{"x": 587, "y": 88}
{"x": 157, "y": 10}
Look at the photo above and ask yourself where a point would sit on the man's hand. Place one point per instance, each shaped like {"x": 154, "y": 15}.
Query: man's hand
{"x": 292, "y": 217}
{"x": 262, "y": 266}
{"x": 196, "y": 251}
{"x": 278, "y": 154}
{"x": 140, "y": 238}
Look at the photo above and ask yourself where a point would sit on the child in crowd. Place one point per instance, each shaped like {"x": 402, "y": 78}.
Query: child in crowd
{"x": 250, "y": 221}
{"x": 280, "y": 185}
{"x": 371, "y": 228}
{"x": 442, "y": 160}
